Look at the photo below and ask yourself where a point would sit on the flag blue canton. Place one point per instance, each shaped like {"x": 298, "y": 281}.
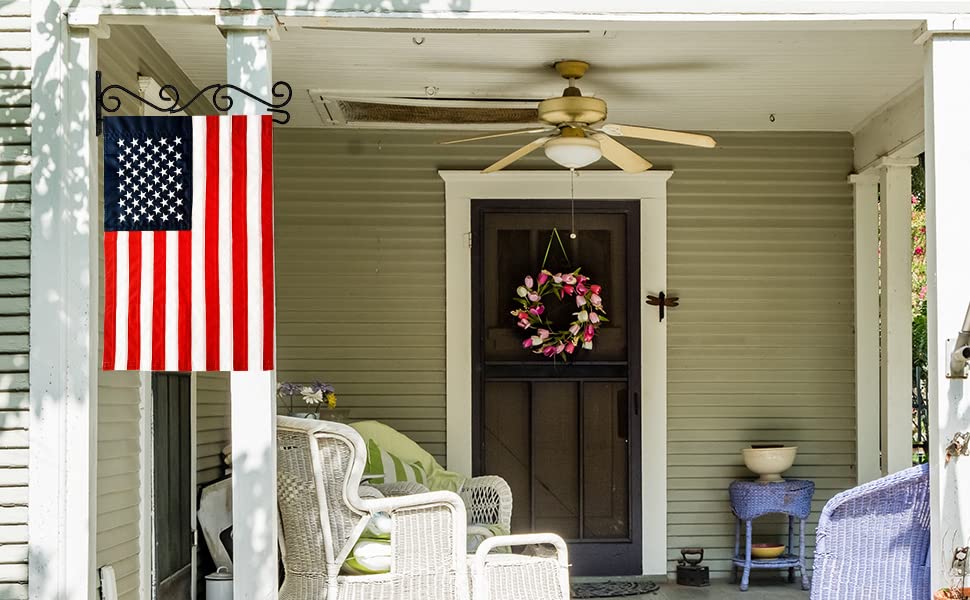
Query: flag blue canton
{"x": 147, "y": 173}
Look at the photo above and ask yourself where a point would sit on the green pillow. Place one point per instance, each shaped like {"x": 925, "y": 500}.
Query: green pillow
{"x": 387, "y": 468}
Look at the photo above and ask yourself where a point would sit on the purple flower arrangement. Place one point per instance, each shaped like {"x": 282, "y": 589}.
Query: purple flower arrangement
{"x": 573, "y": 287}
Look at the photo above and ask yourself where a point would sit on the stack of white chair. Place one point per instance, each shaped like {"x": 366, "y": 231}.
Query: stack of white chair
{"x": 322, "y": 516}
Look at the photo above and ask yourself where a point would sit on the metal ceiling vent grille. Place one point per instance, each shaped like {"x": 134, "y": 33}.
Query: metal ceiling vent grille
{"x": 422, "y": 112}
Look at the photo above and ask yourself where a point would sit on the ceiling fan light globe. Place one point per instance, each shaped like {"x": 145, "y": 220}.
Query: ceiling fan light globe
{"x": 573, "y": 152}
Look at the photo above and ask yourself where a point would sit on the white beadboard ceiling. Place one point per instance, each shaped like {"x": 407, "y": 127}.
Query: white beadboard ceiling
{"x": 701, "y": 78}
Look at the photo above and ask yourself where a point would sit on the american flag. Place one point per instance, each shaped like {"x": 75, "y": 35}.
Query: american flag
{"x": 188, "y": 243}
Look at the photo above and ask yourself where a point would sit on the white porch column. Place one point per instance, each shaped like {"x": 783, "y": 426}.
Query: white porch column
{"x": 866, "y": 238}
{"x": 896, "y": 363}
{"x": 63, "y": 310}
{"x": 255, "y": 575}
{"x": 947, "y": 90}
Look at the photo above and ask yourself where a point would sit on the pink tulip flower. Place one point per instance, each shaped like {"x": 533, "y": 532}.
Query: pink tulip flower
{"x": 581, "y": 288}
{"x": 595, "y": 288}
{"x": 534, "y": 311}
{"x": 549, "y": 350}
{"x": 527, "y": 343}
{"x": 590, "y": 330}
{"x": 540, "y": 309}
{"x": 557, "y": 278}
{"x": 560, "y": 347}
{"x": 568, "y": 289}
{"x": 574, "y": 330}
{"x": 594, "y": 318}
{"x": 595, "y": 299}
{"x": 580, "y": 301}
{"x": 543, "y": 277}
{"x": 543, "y": 334}
{"x": 570, "y": 347}
{"x": 528, "y": 282}
{"x": 569, "y": 278}
{"x": 533, "y": 297}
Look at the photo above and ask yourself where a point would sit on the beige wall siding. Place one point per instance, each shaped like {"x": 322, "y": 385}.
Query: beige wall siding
{"x": 759, "y": 250}
{"x": 15, "y": 77}
{"x": 212, "y": 425}
{"x": 761, "y": 348}
{"x": 129, "y": 51}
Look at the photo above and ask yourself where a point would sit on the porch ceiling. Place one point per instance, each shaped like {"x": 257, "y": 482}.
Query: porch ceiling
{"x": 703, "y": 78}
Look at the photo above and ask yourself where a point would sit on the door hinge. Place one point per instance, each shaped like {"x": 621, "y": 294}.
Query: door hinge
{"x": 468, "y": 238}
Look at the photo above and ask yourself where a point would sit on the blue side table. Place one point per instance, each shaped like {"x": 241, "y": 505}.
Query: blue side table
{"x": 750, "y": 500}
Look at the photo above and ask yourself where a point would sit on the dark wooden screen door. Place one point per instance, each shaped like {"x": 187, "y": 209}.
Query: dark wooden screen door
{"x": 566, "y": 436}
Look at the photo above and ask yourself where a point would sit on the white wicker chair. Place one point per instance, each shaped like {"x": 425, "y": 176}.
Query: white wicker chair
{"x": 322, "y": 514}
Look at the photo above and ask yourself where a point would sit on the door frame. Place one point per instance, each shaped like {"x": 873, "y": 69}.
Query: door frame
{"x": 146, "y": 542}
{"x": 650, "y": 189}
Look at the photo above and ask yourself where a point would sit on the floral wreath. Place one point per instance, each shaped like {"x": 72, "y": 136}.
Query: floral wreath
{"x": 531, "y": 296}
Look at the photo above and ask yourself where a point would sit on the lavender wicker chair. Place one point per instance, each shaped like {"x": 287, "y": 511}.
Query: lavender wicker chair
{"x": 873, "y": 541}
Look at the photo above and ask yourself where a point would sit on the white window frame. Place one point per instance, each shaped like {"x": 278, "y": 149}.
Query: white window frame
{"x": 650, "y": 189}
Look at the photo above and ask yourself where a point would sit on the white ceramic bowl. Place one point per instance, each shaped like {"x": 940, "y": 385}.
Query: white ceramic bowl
{"x": 769, "y": 463}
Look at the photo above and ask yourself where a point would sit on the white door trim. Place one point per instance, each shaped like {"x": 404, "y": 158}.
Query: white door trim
{"x": 147, "y": 534}
{"x": 650, "y": 188}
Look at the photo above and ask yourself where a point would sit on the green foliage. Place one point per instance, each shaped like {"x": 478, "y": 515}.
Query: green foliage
{"x": 919, "y": 264}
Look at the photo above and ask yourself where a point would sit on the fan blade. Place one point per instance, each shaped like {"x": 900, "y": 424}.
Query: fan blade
{"x": 500, "y": 134}
{"x": 511, "y": 158}
{"x": 659, "y": 135}
{"x": 620, "y": 155}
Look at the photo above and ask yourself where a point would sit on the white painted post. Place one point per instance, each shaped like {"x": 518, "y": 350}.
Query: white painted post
{"x": 866, "y": 238}
{"x": 896, "y": 243}
{"x": 253, "y": 393}
{"x": 64, "y": 312}
{"x": 947, "y": 89}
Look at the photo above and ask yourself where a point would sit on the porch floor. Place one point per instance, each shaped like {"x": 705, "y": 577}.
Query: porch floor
{"x": 723, "y": 590}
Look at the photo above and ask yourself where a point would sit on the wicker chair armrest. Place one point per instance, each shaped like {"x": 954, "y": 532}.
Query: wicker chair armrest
{"x": 399, "y": 488}
{"x": 415, "y": 501}
{"x": 488, "y": 500}
{"x": 494, "y": 575}
{"x": 427, "y": 532}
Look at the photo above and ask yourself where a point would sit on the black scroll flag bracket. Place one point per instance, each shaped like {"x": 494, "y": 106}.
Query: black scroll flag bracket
{"x": 662, "y": 301}
{"x": 108, "y": 99}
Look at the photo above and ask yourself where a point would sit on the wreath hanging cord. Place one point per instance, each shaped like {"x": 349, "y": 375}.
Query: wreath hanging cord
{"x": 531, "y": 316}
{"x": 545, "y": 257}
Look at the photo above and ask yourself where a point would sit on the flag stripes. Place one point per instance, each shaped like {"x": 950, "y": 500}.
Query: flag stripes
{"x": 200, "y": 299}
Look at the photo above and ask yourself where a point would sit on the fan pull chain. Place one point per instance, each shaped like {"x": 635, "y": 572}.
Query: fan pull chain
{"x": 572, "y": 204}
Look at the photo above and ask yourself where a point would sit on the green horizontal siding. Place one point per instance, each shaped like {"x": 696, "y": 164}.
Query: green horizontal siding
{"x": 759, "y": 250}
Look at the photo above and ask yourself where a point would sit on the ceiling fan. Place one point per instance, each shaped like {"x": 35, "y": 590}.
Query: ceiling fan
{"x": 576, "y": 135}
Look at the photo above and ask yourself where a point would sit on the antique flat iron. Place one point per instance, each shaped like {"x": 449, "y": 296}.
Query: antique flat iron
{"x": 689, "y": 569}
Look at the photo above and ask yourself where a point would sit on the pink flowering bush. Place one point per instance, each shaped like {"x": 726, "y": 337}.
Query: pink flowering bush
{"x": 919, "y": 281}
{"x": 572, "y": 287}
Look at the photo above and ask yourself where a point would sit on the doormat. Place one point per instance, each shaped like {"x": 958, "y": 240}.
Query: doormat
{"x": 613, "y": 589}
